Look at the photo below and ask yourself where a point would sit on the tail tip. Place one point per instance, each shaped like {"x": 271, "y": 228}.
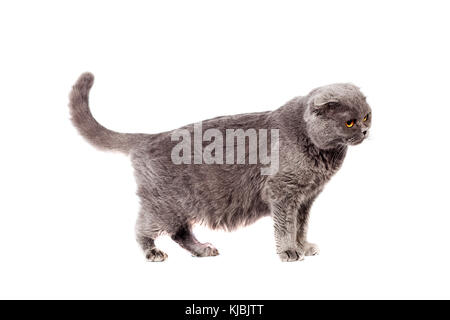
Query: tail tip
{"x": 85, "y": 81}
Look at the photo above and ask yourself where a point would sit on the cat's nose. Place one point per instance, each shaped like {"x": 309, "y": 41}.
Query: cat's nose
{"x": 364, "y": 132}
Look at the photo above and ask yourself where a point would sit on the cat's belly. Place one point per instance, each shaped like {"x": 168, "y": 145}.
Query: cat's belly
{"x": 233, "y": 211}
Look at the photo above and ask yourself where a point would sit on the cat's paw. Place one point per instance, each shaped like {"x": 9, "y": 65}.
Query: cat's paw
{"x": 290, "y": 255}
{"x": 206, "y": 250}
{"x": 311, "y": 249}
{"x": 155, "y": 255}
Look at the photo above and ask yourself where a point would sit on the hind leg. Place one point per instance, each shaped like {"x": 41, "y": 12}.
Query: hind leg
{"x": 186, "y": 239}
{"x": 146, "y": 233}
{"x": 151, "y": 252}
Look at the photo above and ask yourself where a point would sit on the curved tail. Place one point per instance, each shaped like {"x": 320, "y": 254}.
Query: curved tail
{"x": 89, "y": 128}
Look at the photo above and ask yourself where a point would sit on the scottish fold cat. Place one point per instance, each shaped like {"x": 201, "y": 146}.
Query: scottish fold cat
{"x": 227, "y": 181}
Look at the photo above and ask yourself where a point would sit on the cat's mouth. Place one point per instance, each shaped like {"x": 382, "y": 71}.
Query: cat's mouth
{"x": 355, "y": 140}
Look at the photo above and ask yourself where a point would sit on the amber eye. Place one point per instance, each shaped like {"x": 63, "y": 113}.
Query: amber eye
{"x": 366, "y": 117}
{"x": 350, "y": 123}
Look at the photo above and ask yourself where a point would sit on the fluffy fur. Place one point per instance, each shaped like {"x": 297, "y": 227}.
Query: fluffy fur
{"x": 313, "y": 144}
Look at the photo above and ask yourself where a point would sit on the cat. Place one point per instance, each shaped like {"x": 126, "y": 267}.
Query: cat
{"x": 314, "y": 133}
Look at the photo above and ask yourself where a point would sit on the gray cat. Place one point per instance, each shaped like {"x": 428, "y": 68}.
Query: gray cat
{"x": 314, "y": 132}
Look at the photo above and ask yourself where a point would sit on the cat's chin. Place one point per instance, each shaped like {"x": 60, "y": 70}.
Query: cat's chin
{"x": 355, "y": 142}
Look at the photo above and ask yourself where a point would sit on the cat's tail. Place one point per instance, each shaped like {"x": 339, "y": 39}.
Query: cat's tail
{"x": 89, "y": 128}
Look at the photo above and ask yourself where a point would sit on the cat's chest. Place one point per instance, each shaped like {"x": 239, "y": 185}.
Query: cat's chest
{"x": 323, "y": 164}
{"x": 298, "y": 182}
{"x": 308, "y": 175}
{"x": 305, "y": 173}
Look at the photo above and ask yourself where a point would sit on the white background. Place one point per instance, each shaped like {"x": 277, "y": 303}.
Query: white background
{"x": 67, "y": 211}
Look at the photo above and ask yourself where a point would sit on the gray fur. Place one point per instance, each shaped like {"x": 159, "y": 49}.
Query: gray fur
{"x": 313, "y": 144}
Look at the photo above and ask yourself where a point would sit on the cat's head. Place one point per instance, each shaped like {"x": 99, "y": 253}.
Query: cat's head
{"x": 337, "y": 114}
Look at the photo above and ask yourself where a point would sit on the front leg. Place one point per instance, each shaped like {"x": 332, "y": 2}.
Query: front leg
{"x": 284, "y": 214}
{"x": 310, "y": 249}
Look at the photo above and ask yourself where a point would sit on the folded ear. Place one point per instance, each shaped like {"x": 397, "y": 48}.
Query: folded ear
{"x": 323, "y": 100}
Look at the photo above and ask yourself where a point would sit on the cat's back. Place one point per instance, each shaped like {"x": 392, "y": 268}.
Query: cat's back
{"x": 160, "y": 145}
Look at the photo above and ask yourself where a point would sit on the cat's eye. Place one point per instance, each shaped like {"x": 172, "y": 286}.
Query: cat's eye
{"x": 366, "y": 117}
{"x": 350, "y": 123}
